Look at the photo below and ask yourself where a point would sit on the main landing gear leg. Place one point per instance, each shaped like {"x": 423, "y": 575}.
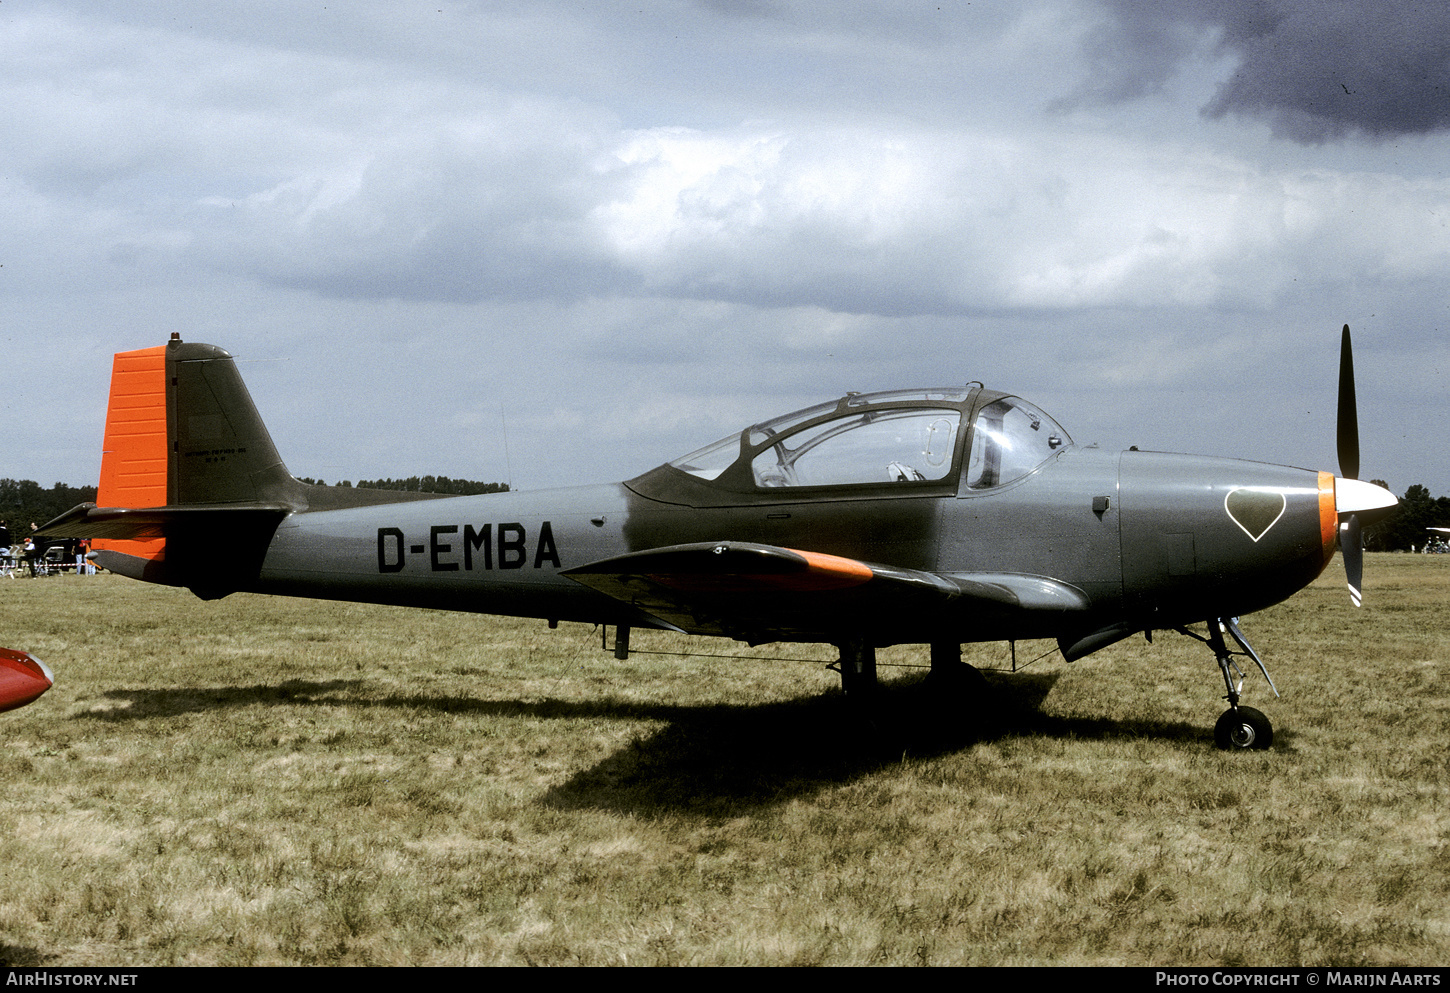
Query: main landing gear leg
{"x": 1239, "y": 727}
{"x": 857, "y": 667}
{"x": 950, "y": 674}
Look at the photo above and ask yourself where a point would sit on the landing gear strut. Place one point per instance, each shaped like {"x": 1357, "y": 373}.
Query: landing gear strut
{"x": 1238, "y": 727}
{"x": 857, "y": 666}
{"x": 950, "y": 675}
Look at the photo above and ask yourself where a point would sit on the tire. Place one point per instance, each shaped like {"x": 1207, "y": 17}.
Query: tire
{"x": 1243, "y": 729}
{"x": 960, "y": 680}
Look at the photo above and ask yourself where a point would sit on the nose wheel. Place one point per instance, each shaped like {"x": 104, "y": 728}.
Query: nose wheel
{"x": 1243, "y": 727}
{"x": 1239, "y": 728}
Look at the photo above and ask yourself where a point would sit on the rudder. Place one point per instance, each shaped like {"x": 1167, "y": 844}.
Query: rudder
{"x": 133, "y": 452}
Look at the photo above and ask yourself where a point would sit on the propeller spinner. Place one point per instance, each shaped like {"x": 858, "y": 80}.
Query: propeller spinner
{"x": 1354, "y": 500}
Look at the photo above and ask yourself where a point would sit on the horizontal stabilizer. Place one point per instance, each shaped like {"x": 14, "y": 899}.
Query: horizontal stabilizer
{"x": 148, "y": 523}
{"x": 212, "y": 549}
{"x": 147, "y": 570}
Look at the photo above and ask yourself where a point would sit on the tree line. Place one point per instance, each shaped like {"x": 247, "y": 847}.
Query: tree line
{"x": 1408, "y": 528}
{"x": 422, "y": 484}
{"x": 24, "y": 502}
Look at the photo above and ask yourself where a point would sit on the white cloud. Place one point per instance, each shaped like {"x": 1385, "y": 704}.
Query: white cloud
{"x": 613, "y": 222}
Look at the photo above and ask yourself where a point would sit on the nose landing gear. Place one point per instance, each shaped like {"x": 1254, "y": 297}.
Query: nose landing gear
{"x": 1243, "y": 727}
{"x": 1238, "y": 727}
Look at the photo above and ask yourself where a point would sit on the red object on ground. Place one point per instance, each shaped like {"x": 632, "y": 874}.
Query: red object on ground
{"x": 23, "y": 678}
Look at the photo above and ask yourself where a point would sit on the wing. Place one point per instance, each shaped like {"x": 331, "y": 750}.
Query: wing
{"x": 759, "y": 593}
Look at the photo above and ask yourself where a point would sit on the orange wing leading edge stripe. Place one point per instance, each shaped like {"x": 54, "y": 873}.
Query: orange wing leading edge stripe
{"x": 134, "y": 456}
{"x": 831, "y": 572}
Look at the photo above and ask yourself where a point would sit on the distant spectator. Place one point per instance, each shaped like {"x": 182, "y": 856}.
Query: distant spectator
{"x": 32, "y": 549}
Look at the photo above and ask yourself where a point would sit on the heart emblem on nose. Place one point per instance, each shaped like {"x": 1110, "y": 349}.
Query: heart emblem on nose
{"x": 1255, "y": 511}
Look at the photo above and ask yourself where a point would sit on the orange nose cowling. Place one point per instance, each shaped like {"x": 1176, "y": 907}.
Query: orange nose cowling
{"x": 1328, "y": 516}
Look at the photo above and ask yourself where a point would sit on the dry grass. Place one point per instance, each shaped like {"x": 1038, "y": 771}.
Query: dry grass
{"x": 274, "y": 781}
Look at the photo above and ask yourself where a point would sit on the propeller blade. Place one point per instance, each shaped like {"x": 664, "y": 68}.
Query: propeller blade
{"x": 1353, "y": 552}
{"x": 1356, "y": 502}
{"x": 1348, "y": 429}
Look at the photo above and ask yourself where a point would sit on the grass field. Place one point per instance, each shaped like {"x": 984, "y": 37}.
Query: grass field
{"x": 271, "y": 781}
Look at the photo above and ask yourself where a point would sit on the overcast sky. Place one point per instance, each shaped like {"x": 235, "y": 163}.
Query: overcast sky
{"x": 610, "y": 234}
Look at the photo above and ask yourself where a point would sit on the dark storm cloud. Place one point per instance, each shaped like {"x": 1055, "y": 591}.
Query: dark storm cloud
{"x": 1315, "y": 70}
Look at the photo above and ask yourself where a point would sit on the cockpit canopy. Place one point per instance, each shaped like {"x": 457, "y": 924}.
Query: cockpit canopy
{"x": 1010, "y": 438}
{"x": 914, "y": 437}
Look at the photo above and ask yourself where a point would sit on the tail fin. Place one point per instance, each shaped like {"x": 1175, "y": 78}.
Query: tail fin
{"x": 192, "y": 487}
{"x": 181, "y": 427}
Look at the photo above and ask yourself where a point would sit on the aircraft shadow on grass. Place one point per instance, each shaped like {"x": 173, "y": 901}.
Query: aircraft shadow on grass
{"x": 714, "y": 759}
{"x": 24, "y": 957}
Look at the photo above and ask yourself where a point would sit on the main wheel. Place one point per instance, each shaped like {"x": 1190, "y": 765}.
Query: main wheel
{"x": 1243, "y": 728}
{"x": 959, "y": 679}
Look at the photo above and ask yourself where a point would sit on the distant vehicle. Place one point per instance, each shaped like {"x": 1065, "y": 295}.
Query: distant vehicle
{"x": 23, "y": 678}
{"x": 935, "y": 516}
{"x": 57, "y": 558}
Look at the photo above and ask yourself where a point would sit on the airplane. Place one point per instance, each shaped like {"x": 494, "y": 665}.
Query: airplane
{"x": 916, "y": 516}
{"x": 23, "y": 678}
